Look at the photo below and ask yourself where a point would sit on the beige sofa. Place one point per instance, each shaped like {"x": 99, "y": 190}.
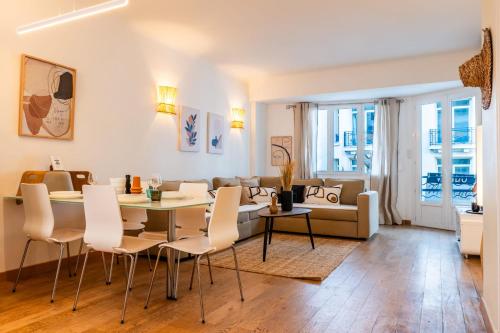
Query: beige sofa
{"x": 357, "y": 215}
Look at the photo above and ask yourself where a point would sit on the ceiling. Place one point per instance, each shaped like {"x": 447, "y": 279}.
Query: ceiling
{"x": 256, "y": 37}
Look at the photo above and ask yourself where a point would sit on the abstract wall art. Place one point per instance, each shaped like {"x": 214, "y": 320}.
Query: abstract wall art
{"x": 47, "y": 99}
{"x": 281, "y": 150}
{"x": 216, "y": 135}
{"x": 189, "y": 129}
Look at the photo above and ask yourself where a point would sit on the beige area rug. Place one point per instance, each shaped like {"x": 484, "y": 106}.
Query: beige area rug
{"x": 288, "y": 255}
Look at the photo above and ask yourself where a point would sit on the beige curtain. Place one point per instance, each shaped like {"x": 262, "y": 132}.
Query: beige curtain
{"x": 305, "y": 139}
{"x": 384, "y": 174}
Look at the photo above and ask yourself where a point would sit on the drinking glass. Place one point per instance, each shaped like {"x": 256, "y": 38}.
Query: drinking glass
{"x": 92, "y": 179}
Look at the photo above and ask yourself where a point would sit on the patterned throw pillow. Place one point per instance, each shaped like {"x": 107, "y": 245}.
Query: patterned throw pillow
{"x": 257, "y": 194}
{"x": 323, "y": 195}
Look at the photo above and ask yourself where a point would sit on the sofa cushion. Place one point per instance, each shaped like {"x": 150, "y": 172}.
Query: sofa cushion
{"x": 260, "y": 194}
{"x": 332, "y": 212}
{"x": 250, "y": 181}
{"x": 350, "y": 189}
{"x": 270, "y": 182}
{"x": 309, "y": 182}
{"x": 298, "y": 193}
{"x": 221, "y": 182}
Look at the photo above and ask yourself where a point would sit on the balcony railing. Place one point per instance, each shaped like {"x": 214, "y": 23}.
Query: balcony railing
{"x": 462, "y": 187}
{"x": 350, "y": 139}
{"x": 458, "y": 136}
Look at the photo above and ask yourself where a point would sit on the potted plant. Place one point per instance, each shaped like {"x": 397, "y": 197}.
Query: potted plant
{"x": 286, "y": 176}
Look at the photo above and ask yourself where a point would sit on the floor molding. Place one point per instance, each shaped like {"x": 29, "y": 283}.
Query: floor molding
{"x": 486, "y": 317}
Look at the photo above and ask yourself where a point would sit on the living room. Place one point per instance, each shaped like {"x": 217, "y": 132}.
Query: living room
{"x": 362, "y": 138}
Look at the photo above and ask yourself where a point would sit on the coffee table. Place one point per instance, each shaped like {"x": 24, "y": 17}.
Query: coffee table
{"x": 268, "y": 231}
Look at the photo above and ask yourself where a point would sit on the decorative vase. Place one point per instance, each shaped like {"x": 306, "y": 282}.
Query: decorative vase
{"x": 155, "y": 195}
{"x": 273, "y": 209}
{"x": 136, "y": 185}
{"x": 286, "y": 201}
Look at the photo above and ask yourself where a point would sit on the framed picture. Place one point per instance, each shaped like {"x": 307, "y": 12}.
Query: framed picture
{"x": 281, "y": 150}
{"x": 189, "y": 129}
{"x": 216, "y": 135}
{"x": 46, "y": 99}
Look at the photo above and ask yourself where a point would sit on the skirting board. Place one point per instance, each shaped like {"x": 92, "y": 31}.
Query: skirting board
{"x": 46, "y": 267}
{"x": 486, "y": 317}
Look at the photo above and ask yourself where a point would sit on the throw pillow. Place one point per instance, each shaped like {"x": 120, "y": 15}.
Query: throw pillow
{"x": 298, "y": 193}
{"x": 323, "y": 195}
{"x": 257, "y": 194}
{"x": 249, "y": 182}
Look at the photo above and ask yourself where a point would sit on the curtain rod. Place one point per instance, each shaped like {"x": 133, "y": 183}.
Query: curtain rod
{"x": 374, "y": 101}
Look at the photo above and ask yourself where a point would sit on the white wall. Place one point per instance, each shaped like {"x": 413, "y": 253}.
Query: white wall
{"x": 279, "y": 123}
{"x": 117, "y": 130}
{"x": 491, "y": 187}
{"x": 391, "y": 73}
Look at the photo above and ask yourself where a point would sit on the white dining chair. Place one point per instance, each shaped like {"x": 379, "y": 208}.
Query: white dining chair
{"x": 39, "y": 226}
{"x": 189, "y": 222}
{"x": 221, "y": 235}
{"x": 104, "y": 232}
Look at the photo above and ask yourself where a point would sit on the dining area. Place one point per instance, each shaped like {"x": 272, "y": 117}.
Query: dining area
{"x": 115, "y": 237}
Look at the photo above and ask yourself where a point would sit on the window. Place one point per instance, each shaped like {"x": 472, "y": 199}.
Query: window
{"x": 345, "y": 138}
{"x": 461, "y": 166}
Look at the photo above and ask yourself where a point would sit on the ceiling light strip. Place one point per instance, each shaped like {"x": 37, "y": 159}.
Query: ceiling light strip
{"x": 72, "y": 16}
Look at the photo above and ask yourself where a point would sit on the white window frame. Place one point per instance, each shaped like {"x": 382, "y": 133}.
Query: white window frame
{"x": 332, "y": 145}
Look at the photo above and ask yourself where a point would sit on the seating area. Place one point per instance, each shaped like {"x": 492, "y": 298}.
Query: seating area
{"x": 250, "y": 166}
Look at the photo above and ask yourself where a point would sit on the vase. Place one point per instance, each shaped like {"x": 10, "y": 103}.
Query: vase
{"x": 273, "y": 208}
{"x": 286, "y": 201}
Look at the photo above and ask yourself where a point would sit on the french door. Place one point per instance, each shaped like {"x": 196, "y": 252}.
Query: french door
{"x": 446, "y": 162}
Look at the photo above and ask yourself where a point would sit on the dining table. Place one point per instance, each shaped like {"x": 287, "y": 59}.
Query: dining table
{"x": 167, "y": 205}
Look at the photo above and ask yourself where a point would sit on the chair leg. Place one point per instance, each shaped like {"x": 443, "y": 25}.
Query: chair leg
{"x": 125, "y": 266}
{"x": 210, "y": 269}
{"x": 81, "y": 279}
{"x": 78, "y": 258}
{"x": 153, "y": 277}
{"x": 192, "y": 274}
{"x": 149, "y": 260}
{"x": 69, "y": 260}
{"x": 108, "y": 281}
{"x": 21, "y": 265}
{"x": 177, "y": 272}
{"x": 135, "y": 265}
{"x": 105, "y": 268}
{"x": 129, "y": 285}
{"x": 237, "y": 272}
{"x": 197, "y": 259}
{"x": 61, "y": 253}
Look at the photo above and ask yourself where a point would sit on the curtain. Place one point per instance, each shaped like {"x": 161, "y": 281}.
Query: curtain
{"x": 384, "y": 174}
{"x": 306, "y": 137}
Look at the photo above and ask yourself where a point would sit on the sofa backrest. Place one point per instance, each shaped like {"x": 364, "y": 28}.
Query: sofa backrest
{"x": 221, "y": 182}
{"x": 350, "y": 189}
{"x": 173, "y": 185}
{"x": 276, "y": 182}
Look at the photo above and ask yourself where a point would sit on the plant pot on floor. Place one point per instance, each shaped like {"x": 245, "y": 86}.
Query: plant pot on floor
{"x": 286, "y": 201}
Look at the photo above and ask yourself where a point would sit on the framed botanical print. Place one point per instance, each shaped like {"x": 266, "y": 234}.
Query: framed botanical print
{"x": 47, "y": 99}
{"x": 189, "y": 129}
{"x": 216, "y": 136}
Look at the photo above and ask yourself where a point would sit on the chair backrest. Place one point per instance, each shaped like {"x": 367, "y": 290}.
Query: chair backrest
{"x": 38, "y": 215}
{"x": 197, "y": 190}
{"x": 31, "y": 177}
{"x": 222, "y": 229}
{"x": 79, "y": 178}
{"x": 58, "y": 181}
{"x": 104, "y": 228}
{"x": 193, "y": 217}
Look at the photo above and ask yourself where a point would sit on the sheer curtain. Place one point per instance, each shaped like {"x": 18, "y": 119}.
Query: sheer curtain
{"x": 305, "y": 138}
{"x": 384, "y": 174}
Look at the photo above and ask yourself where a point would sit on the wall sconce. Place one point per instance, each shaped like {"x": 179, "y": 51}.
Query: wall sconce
{"x": 238, "y": 117}
{"x": 166, "y": 99}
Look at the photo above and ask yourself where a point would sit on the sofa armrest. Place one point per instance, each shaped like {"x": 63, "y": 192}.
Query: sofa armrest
{"x": 368, "y": 214}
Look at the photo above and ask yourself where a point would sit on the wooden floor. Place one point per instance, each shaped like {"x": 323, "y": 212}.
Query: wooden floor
{"x": 403, "y": 280}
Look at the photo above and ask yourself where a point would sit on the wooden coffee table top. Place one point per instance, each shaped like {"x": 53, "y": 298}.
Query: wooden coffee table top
{"x": 264, "y": 212}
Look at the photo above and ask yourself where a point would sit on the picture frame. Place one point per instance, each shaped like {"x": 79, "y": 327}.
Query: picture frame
{"x": 281, "y": 150}
{"x": 190, "y": 127}
{"x": 216, "y": 125}
{"x": 46, "y": 99}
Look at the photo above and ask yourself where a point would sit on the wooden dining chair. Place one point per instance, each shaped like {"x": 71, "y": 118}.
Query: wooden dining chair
{"x": 222, "y": 233}
{"x": 30, "y": 177}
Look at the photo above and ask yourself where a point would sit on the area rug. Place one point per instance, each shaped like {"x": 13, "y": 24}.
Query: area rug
{"x": 288, "y": 255}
